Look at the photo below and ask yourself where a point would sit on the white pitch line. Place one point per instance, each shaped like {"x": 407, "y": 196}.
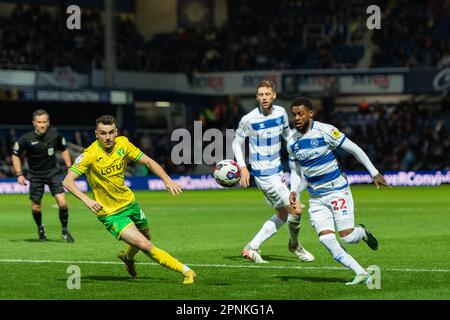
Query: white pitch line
{"x": 250, "y": 266}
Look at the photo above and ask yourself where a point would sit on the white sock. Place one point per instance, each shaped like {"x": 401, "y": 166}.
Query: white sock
{"x": 269, "y": 228}
{"x": 339, "y": 254}
{"x": 294, "y": 228}
{"x": 354, "y": 237}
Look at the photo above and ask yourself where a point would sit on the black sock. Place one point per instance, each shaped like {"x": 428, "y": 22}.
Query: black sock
{"x": 37, "y": 216}
{"x": 64, "y": 217}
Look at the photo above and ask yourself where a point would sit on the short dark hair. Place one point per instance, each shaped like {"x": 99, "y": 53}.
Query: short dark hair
{"x": 105, "y": 119}
{"x": 302, "y": 101}
{"x": 40, "y": 112}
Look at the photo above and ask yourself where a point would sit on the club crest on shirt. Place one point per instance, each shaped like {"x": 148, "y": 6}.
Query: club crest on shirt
{"x": 314, "y": 142}
{"x": 121, "y": 152}
{"x": 335, "y": 133}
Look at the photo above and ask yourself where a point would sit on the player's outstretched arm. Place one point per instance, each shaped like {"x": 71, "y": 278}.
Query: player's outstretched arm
{"x": 171, "y": 186}
{"x": 69, "y": 184}
{"x": 362, "y": 157}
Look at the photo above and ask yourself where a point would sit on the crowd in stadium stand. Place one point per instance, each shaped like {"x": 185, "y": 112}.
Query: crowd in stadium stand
{"x": 297, "y": 34}
{"x": 409, "y": 136}
{"x": 38, "y": 38}
{"x": 419, "y": 36}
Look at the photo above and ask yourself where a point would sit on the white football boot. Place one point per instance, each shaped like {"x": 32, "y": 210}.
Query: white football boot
{"x": 360, "y": 278}
{"x": 253, "y": 255}
{"x": 303, "y": 254}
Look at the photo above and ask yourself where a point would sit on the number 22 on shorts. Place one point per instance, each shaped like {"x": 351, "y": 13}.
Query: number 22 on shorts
{"x": 339, "y": 205}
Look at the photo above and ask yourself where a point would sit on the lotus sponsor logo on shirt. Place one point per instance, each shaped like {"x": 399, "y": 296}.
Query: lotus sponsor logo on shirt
{"x": 112, "y": 169}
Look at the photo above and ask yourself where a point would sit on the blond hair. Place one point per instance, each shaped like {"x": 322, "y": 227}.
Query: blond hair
{"x": 266, "y": 84}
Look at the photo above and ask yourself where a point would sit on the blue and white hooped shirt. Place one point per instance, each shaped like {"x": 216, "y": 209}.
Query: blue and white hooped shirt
{"x": 314, "y": 152}
{"x": 264, "y": 134}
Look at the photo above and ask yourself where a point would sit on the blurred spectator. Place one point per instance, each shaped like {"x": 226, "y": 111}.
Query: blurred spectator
{"x": 296, "y": 34}
{"x": 82, "y": 139}
{"x": 413, "y": 34}
{"x": 404, "y": 137}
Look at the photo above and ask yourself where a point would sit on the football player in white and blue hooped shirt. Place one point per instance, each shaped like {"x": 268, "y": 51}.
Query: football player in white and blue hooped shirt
{"x": 331, "y": 206}
{"x": 264, "y": 126}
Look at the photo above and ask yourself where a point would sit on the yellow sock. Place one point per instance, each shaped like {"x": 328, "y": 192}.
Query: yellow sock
{"x": 165, "y": 259}
{"x": 131, "y": 251}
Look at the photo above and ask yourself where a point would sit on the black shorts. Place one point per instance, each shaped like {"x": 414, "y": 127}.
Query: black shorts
{"x": 37, "y": 185}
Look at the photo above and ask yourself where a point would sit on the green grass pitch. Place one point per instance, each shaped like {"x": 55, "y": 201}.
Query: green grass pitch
{"x": 208, "y": 229}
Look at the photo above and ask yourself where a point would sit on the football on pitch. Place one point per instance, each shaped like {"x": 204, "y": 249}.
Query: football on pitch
{"x": 227, "y": 173}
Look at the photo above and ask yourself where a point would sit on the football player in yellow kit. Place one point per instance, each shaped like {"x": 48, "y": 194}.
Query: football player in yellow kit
{"x": 103, "y": 163}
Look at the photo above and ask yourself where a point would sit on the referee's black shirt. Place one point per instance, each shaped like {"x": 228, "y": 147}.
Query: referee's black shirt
{"x": 40, "y": 150}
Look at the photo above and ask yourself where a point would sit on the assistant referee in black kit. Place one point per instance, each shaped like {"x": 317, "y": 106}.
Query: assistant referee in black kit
{"x": 40, "y": 146}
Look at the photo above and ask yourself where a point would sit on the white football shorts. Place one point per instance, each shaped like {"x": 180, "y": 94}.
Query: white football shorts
{"x": 334, "y": 211}
{"x": 274, "y": 189}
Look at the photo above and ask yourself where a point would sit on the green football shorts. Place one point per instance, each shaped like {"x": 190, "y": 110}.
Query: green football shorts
{"x": 116, "y": 223}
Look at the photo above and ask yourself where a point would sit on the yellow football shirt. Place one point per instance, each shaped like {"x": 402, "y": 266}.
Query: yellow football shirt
{"x": 105, "y": 170}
